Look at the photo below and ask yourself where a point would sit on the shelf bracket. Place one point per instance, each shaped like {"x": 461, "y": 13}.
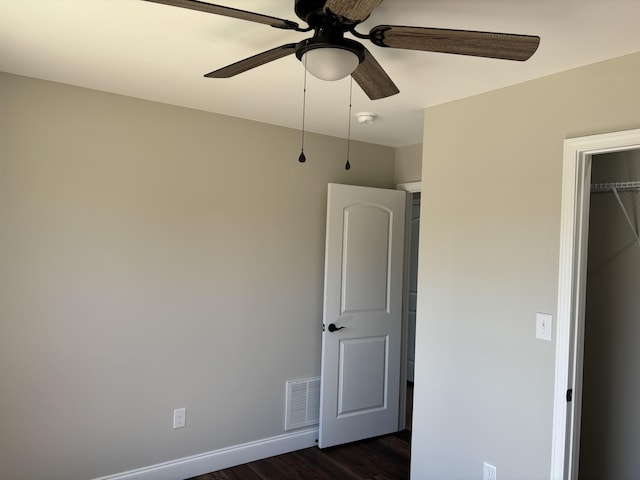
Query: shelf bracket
{"x": 626, "y": 215}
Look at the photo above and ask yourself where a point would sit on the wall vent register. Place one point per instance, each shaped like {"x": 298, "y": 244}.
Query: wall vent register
{"x": 303, "y": 403}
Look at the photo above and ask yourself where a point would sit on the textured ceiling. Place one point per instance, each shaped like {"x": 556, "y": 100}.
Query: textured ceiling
{"x": 161, "y": 53}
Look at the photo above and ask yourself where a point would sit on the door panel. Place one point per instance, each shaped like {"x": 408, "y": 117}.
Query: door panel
{"x": 365, "y": 271}
{"x": 358, "y": 357}
{"x": 360, "y": 378}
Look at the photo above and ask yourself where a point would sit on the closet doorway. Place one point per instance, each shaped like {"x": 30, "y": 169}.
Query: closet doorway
{"x": 610, "y": 420}
{"x": 613, "y": 250}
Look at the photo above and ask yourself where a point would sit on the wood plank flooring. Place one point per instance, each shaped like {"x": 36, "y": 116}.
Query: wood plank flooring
{"x": 382, "y": 458}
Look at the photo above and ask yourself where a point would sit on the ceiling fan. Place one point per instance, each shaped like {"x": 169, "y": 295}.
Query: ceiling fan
{"x": 328, "y": 55}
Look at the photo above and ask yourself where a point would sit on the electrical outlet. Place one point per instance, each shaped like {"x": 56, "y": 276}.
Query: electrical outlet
{"x": 488, "y": 471}
{"x": 179, "y": 417}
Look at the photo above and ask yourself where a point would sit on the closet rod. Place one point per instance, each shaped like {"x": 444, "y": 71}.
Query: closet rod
{"x": 615, "y": 188}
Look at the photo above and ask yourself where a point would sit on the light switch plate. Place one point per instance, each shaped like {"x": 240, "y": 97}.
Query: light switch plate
{"x": 544, "y": 325}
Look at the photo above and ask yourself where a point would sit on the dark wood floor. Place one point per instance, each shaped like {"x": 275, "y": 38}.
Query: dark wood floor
{"x": 382, "y": 458}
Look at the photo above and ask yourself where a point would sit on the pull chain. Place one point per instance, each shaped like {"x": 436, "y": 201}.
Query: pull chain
{"x": 302, "y": 158}
{"x": 347, "y": 166}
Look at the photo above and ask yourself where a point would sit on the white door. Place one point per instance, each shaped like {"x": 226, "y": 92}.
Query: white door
{"x": 361, "y": 341}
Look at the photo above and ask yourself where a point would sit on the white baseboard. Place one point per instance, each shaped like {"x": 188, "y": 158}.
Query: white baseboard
{"x": 224, "y": 458}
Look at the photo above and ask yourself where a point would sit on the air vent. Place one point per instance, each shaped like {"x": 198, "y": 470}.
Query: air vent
{"x": 303, "y": 403}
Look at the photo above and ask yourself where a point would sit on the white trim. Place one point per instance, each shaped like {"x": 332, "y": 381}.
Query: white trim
{"x": 571, "y": 286}
{"x": 411, "y": 187}
{"x": 219, "y": 459}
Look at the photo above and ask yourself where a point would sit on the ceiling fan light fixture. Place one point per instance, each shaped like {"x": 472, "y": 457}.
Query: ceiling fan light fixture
{"x": 330, "y": 63}
{"x": 330, "y": 60}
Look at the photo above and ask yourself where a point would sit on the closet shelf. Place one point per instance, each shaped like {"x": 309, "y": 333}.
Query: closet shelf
{"x": 615, "y": 188}
{"x": 619, "y": 186}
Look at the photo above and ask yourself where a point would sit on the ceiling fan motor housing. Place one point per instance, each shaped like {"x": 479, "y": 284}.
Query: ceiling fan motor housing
{"x": 328, "y": 30}
{"x": 307, "y": 10}
{"x": 313, "y": 13}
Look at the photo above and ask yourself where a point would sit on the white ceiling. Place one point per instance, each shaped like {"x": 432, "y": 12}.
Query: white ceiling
{"x": 161, "y": 53}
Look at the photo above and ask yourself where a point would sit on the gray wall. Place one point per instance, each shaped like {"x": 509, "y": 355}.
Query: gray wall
{"x": 611, "y": 395}
{"x": 489, "y": 246}
{"x": 408, "y": 163}
{"x": 153, "y": 257}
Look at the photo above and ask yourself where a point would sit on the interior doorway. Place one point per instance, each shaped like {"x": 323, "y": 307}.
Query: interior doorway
{"x": 414, "y": 241}
{"x": 579, "y": 154}
{"x": 414, "y": 190}
{"x": 366, "y": 306}
{"x": 610, "y": 418}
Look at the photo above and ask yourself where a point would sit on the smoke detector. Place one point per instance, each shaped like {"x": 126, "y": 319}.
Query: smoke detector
{"x": 366, "y": 118}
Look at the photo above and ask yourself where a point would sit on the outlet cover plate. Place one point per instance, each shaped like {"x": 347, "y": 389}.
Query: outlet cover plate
{"x": 179, "y": 417}
{"x": 488, "y": 471}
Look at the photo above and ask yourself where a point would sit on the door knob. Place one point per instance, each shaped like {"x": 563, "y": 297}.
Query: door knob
{"x": 333, "y": 328}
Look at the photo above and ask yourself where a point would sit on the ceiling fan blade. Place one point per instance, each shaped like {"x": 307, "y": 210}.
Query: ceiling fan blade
{"x": 356, "y": 11}
{"x": 230, "y": 12}
{"x": 462, "y": 42}
{"x": 253, "y": 62}
{"x": 373, "y": 79}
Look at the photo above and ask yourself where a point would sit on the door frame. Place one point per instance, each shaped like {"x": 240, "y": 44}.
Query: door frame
{"x": 574, "y": 225}
{"x": 409, "y": 187}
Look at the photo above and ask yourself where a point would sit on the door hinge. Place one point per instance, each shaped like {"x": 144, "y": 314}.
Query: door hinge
{"x": 569, "y": 395}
